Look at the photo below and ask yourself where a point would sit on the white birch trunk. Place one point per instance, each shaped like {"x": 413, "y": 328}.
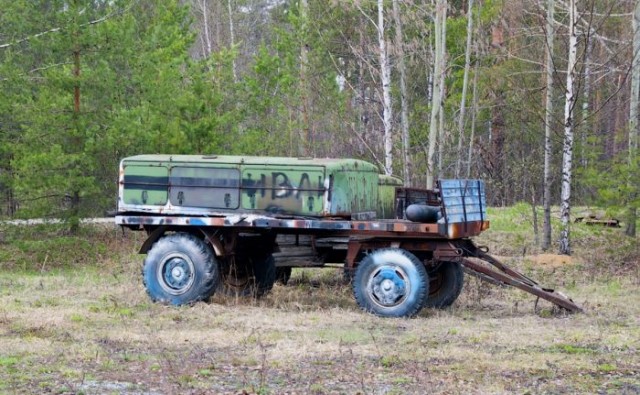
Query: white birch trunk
{"x": 441, "y": 133}
{"x": 634, "y": 109}
{"x": 586, "y": 94}
{"x": 474, "y": 100}
{"x": 430, "y": 71}
{"x": 404, "y": 107}
{"x": 567, "y": 150}
{"x": 205, "y": 22}
{"x": 305, "y": 138}
{"x": 465, "y": 83}
{"x": 232, "y": 37}
{"x": 548, "y": 119}
{"x": 435, "y": 99}
{"x": 633, "y": 120}
{"x": 385, "y": 74}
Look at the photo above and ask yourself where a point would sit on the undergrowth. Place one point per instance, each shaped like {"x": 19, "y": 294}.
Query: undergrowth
{"x": 46, "y": 247}
{"x": 595, "y": 247}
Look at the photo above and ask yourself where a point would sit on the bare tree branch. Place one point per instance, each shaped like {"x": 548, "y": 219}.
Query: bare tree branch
{"x": 59, "y": 29}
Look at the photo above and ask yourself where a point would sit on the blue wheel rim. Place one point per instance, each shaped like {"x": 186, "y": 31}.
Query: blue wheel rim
{"x": 176, "y": 273}
{"x": 389, "y": 286}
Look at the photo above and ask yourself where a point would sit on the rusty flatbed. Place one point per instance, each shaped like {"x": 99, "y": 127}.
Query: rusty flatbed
{"x": 339, "y": 227}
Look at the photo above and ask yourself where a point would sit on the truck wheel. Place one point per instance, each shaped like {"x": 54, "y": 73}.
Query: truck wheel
{"x": 180, "y": 269}
{"x": 250, "y": 276}
{"x": 391, "y": 283}
{"x": 283, "y": 274}
{"x": 445, "y": 284}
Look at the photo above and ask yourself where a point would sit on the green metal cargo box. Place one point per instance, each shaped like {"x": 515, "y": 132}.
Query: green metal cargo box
{"x": 387, "y": 196}
{"x": 208, "y": 185}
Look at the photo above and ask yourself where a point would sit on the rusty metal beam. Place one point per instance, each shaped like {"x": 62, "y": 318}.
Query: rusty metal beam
{"x": 521, "y": 282}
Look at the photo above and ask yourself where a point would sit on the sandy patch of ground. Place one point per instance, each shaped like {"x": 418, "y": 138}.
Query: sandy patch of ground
{"x": 550, "y": 260}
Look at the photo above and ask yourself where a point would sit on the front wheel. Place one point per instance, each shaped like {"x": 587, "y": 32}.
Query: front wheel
{"x": 180, "y": 269}
{"x": 391, "y": 283}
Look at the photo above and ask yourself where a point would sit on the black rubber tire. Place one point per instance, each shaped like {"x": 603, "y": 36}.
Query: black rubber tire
{"x": 264, "y": 271}
{"x": 348, "y": 275}
{"x": 248, "y": 276}
{"x": 391, "y": 283}
{"x": 180, "y": 268}
{"x": 283, "y": 274}
{"x": 445, "y": 284}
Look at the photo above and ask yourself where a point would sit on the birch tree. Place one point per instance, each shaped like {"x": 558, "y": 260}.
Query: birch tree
{"x": 404, "y": 106}
{"x": 548, "y": 119}
{"x": 385, "y": 76}
{"x": 208, "y": 50}
{"x": 567, "y": 150}
{"x": 305, "y": 138}
{"x": 465, "y": 83}
{"x": 441, "y": 6}
{"x": 586, "y": 95}
{"x": 441, "y": 134}
{"x": 474, "y": 112}
{"x": 232, "y": 38}
{"x": 633, "y": 121}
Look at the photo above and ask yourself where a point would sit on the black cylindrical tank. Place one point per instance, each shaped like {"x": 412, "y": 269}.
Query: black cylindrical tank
{"x": 423, "y": 213}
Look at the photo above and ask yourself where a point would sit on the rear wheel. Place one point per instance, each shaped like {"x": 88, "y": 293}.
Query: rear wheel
{"x": 391, "y": 283}
{"x": 283, "y": 274}
{"x": 179, "y": 269}
{"x": 445, "y": 284}
{"x": 248, "y": 276}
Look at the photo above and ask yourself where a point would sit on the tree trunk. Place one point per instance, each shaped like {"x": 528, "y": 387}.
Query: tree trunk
{"x": 534, "y": 213}
{"x": 441, "y": 6}
{"x": 613, "y": 121}
{"x": 304, "y": 143}
{"x": 633, "y": 122}
{"x": 205, "y": 27}
{"x": 620, "y": 142}
{"x": 441, "y": 132}
{"x": 385, "y": 74}
{"x": 363, "y": 114}
{"x": 232, "y": 38}
{"x": 567, "y": 151}
{"x": 586, "y": 94}
{"x": 404, "y": 107}
{"x": 548, "y": 119}
{"x": 474, "y": 112}
{"x": 465, "y": 83}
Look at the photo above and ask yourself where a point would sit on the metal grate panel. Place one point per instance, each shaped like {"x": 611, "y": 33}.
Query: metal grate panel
{"x": 463, "y": 200}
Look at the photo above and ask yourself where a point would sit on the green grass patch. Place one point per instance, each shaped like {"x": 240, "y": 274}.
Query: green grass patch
{"x": 607, "y": 367}
{"x": 571, "y": 349}
{"x": 7, "y": 362}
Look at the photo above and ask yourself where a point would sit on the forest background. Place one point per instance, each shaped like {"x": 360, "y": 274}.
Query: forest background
{"x": 538, "y": 98}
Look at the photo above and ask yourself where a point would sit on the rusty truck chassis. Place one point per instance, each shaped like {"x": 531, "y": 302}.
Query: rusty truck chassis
{"x": 351, "y": 239}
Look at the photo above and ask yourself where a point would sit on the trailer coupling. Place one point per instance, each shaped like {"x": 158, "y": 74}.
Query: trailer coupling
{"x": 488, "y": 268}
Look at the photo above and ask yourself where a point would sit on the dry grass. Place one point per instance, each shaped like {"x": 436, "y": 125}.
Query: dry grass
{"x": 90, "y": 328}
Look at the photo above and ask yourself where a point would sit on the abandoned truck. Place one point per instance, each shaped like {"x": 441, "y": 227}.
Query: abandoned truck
{"x": 234, "y": 224}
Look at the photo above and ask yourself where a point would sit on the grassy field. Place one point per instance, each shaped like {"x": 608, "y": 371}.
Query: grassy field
{"x": 75, "y": 319}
